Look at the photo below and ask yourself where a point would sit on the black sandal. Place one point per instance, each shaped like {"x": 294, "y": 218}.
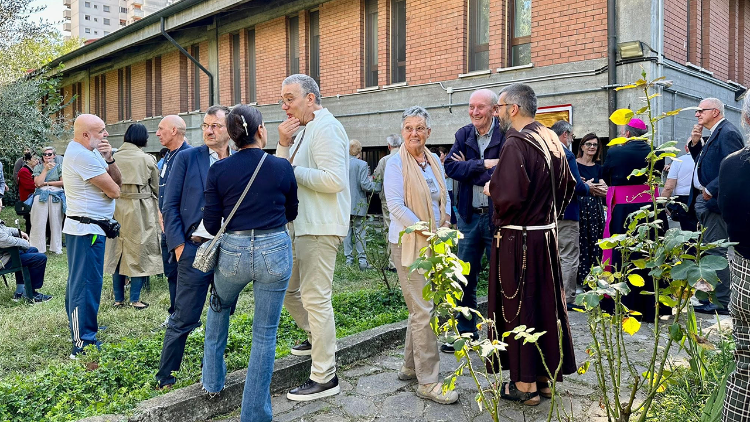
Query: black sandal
{"x": 543, "y": 384}
{"x": 514, "y": 394}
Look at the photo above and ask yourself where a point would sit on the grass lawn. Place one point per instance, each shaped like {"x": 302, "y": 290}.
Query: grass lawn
{"x": 38, "y": 381}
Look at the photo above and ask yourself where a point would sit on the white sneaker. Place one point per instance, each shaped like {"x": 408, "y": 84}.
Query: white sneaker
{"x": 435, "y": 393}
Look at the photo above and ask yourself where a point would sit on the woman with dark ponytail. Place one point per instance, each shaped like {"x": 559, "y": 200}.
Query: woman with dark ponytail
{"x": 256, "y": 248}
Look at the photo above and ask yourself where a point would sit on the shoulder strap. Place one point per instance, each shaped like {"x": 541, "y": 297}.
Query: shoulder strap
{"x": 542, "y": 147}
{"x": 239, "y": 201}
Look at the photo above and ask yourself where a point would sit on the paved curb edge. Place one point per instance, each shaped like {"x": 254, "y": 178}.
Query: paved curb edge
{"x": 191, "y": 404}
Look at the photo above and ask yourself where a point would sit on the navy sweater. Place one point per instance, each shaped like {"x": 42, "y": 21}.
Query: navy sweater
{"x": 270, "y": 203}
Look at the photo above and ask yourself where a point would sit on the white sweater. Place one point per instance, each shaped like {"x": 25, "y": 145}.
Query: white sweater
{"x": 322, "y": 173}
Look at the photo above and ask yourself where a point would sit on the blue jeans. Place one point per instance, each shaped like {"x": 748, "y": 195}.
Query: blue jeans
{"x": 36, "y": 263}
{"x": 477, "y": 241}
{"x": 118, "y": 286}
{"x": 266, "y": 261}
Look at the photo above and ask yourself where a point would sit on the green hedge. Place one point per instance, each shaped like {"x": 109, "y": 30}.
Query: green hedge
{"x": 125, "y": 373}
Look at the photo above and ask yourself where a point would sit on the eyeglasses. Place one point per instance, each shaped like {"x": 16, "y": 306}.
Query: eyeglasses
{"x": 701, "y": 110}
{"x": 591, "y": 145}
{"x": 503, "y": 105}
{"x": 288, "y": 101}
{"x": 419, "y": 129}
{"x": 48, "y": 154}
{"x": 213, "y": 126}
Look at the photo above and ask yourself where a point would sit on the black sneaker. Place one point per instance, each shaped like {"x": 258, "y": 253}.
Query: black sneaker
{"x": 17, "y": 296}
{"x": 447, "y": 348}
{"x": 302, "y": 349}
{"x": 312, "y": 390}
{"x": 41, "y": 297}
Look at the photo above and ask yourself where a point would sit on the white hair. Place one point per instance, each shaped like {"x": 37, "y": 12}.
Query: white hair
{"x": 394, "y": 140}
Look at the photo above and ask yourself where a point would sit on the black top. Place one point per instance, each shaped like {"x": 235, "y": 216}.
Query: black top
{"x": 590, "y": 172}
{"x": 623, "y": 159}
{"x": 734, "y": 200}
{"x": 271, "y": 201}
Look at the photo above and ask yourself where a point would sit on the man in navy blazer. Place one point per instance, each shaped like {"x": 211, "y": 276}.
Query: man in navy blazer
{"x": 724, "y": 140}
{"x": 183, "y": 225}
{"x": 470, "y": 164}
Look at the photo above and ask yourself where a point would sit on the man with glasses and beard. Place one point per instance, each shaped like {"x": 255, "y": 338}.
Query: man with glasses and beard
{"x": 182, "y": 212}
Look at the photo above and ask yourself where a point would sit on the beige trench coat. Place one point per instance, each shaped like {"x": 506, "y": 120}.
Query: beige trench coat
{"x": 138, "y": 248}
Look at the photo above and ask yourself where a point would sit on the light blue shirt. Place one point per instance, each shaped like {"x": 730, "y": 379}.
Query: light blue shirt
{"x": 393, "y": 186}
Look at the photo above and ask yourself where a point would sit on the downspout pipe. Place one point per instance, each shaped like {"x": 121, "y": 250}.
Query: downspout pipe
{"x": 211, "y": 98}
{"x": 611, "y": 65}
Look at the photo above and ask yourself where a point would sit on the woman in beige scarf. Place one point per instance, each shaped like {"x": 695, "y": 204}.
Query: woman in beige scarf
{"x": 414, "y": 185}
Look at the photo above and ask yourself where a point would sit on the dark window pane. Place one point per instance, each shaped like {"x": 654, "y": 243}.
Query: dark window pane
{"x": 371, "y": 43}
{"x": 236, "y": 86}
{"x": 196, "y": 78}
{"x": 398, "y": 42}
{"x": 293, "y": 45}
{"x": 315, "y": 46}
{"x": 251, "y": 93}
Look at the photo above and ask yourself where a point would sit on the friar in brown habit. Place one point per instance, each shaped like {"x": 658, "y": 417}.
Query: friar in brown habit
{"x": 525, "y": 285}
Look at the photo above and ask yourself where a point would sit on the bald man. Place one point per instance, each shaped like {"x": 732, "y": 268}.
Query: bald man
{"x": 471, "y": 162}
{"x": 171, "y": 134}
{"x": 92, "y": 183}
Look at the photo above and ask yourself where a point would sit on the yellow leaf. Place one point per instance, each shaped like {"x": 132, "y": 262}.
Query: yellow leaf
{"x": 621, "y": 117}
{"x": 652, "y": 96}
{"x": 661, "y": 388}
{"x": 620, "y": 88}
{"x": 636, "y": 280}
{"x": 617, "y": 141}
{"x": 631, "y": 325}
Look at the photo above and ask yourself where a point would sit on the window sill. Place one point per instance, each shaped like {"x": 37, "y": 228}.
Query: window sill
{"x": 396, "y": 85}
{"x": 510, "y": 69}
{"x": 474, "y": 73}
{"x": 369, "y": 89}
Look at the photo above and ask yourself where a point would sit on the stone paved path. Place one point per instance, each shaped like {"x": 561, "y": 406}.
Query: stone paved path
{"x": 371, "y": 391}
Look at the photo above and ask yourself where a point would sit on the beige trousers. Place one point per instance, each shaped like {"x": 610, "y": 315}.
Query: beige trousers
{"x": 421, "y": 351}
{"x": 308, "y": 299}
{"x": 570, "y": 250}
{"x": 42, "y": 212}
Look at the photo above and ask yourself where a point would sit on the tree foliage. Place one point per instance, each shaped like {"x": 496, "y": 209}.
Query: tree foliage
{"x": 29, "y": 97}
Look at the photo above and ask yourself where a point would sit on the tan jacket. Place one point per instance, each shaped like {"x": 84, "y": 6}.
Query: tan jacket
{"x": 138, "y": 248}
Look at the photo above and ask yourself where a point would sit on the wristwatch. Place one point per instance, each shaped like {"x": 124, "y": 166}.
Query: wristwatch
{"x": 110, "y": 162}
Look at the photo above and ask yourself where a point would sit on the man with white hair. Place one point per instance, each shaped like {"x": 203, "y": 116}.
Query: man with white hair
{"x": 394, "y": 142}
{"x": 724, "y": 140}
{"x": 470, "y": 164}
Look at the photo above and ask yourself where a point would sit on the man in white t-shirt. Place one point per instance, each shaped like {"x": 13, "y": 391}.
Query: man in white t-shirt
{"x": 92, "y": 183}
{"x": 679, "y": 178}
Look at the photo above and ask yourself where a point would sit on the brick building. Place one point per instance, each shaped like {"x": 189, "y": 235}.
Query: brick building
{"x": 374, "y": 58}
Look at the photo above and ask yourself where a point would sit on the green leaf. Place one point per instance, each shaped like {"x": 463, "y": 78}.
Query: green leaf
{"x": 667, "y": 300}
{"x": 640, "y": 263}
{"x": 675, "y": 332}
{"x": 636, "y": 280}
